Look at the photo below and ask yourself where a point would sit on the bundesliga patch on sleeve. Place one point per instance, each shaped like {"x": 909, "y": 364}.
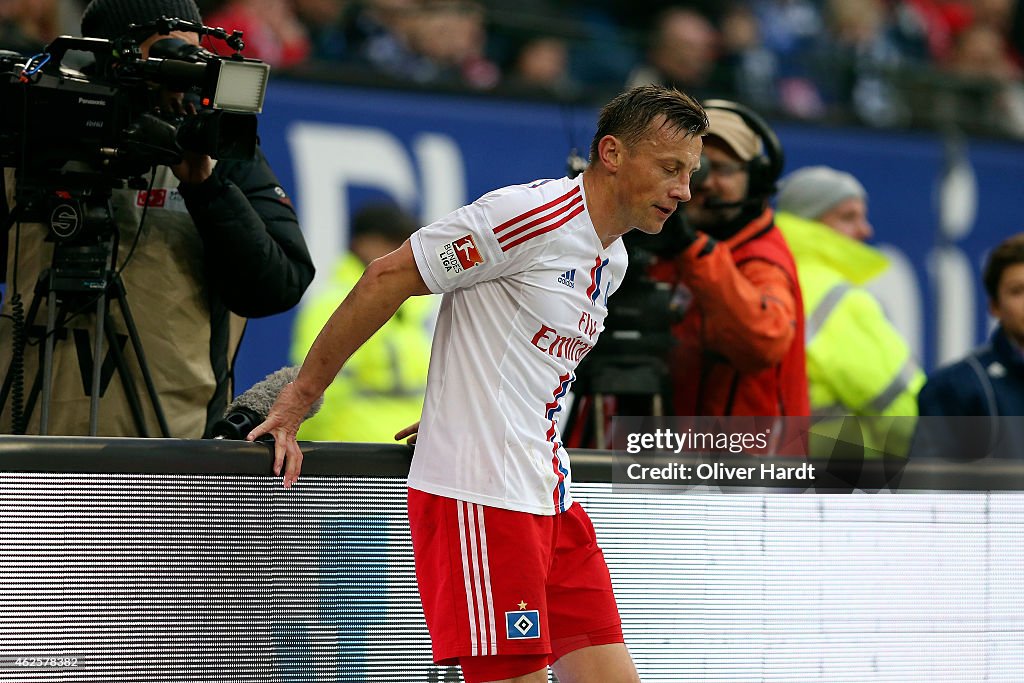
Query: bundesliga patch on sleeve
{"x": 459, "y": 256}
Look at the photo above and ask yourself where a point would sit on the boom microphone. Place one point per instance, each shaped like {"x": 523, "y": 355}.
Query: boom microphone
{"x": 252, "y": 406}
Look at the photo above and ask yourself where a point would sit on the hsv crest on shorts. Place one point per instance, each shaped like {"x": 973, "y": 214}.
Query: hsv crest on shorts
{"x": 522, "y": 624}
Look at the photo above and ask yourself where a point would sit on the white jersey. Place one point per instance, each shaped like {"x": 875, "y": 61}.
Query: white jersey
{"x": 526, "y": 284}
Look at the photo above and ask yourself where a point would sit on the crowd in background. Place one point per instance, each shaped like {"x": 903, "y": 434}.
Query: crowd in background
{"x": 748, "y": 331}
{"x": 880, "y": 62}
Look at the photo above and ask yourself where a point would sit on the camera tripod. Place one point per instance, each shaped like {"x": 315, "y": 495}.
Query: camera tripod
{"x": 81, "y": 277}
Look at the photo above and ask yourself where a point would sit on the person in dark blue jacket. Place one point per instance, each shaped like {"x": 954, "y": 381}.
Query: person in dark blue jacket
{"x": 990, "y": 380}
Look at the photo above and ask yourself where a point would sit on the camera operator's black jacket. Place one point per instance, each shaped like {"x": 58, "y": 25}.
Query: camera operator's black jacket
{"x": 208, "y": 257}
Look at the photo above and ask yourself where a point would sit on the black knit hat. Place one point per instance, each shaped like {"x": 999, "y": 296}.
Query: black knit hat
{"x": 111, "y": 18}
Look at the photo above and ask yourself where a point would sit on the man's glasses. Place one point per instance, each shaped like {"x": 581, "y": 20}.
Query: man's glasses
{"x": 725, "y": 169}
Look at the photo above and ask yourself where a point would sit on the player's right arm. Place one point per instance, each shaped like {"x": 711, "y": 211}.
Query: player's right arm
{"x": 384, "y": 286}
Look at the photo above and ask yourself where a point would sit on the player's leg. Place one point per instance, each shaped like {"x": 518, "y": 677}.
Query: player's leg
{"x": 586, "y": 633}
{"x": 505, "y": 669}
{"x": 609, "y": 663}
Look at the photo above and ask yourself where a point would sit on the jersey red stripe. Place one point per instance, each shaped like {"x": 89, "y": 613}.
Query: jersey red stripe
{"x": 543, "y": 219}
{"x": 537, "y": 210}
{"x": 565, "y": 219}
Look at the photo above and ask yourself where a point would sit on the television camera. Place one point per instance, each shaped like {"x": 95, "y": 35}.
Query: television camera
{"x": 74, "y": 136}
{"x": 81, "y": 131}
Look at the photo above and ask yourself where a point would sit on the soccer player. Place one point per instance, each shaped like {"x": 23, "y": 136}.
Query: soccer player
{"x": 509, "y": 570}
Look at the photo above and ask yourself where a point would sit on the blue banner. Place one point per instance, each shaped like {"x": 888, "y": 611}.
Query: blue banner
{"x": 937, "y": 203}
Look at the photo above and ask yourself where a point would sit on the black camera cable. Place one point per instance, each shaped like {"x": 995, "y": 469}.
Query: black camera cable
{"x": 142, "y": 223}
{"x": 18, "y": 337}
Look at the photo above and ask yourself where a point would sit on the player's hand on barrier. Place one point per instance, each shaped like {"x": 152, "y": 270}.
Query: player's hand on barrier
{"x": 282, "y": 423}
{"x": 410, "y": 432}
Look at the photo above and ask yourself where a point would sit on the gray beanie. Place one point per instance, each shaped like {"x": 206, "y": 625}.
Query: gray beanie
{"x": 811, "y": 191}
{"x": 110, "y": 18}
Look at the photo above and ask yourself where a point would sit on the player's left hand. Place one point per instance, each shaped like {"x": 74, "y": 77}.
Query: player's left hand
{"x": 282, "y": 423}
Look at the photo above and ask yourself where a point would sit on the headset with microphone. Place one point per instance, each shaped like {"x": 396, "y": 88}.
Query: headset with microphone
{"x": 765, "y": 169}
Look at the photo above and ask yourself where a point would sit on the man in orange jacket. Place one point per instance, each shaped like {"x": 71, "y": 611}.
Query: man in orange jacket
{"x": 740, "y": 341}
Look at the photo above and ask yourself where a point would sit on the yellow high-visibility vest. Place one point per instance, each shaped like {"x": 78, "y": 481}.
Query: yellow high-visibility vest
{"x": 381, "y": 387}
{"x": 857, "y": 363}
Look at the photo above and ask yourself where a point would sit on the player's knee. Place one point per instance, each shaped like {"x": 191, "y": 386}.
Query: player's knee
{"x": 608, "y": 663}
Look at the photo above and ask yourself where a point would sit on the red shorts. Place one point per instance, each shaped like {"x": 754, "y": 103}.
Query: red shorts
{"x": 500, "y": 582}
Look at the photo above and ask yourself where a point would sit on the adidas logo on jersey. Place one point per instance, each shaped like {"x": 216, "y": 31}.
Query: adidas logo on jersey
{"x": 568, "y": 278}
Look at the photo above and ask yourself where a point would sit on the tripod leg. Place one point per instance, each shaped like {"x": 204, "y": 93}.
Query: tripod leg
{"x": 33, "y": 394}
{"x": 51, "y": 326}
{"x": 133, "y": 335}
{"x": 37, "y": 385}
{"x": 131, "y": 391}
{"x": 97, "y": 366}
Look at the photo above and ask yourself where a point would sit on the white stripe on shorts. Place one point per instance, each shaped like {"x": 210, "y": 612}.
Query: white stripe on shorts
{"x": 487, "y": 579}
{"x": 469, "y": 586}
{"x": 476, "y": 573}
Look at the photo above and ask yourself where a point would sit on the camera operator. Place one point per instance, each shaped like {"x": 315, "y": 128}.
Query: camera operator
{"x": 740, "y": 342}
{"x": 219, "y": 242}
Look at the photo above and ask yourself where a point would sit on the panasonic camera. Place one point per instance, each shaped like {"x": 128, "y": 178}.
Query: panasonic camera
{"x": 66, "y": 128}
